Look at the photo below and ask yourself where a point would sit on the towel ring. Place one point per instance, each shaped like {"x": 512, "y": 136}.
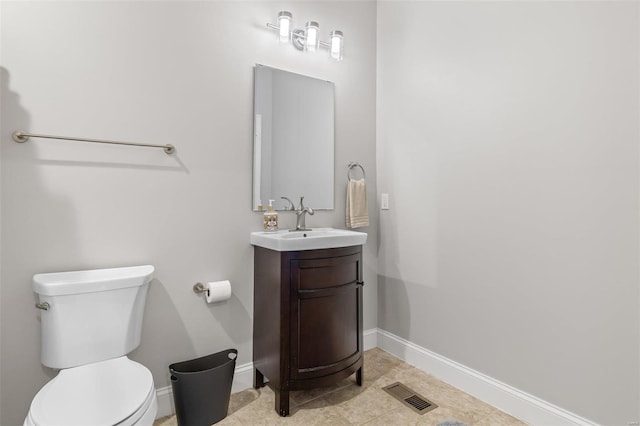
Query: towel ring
{"x": 351, "y": 166}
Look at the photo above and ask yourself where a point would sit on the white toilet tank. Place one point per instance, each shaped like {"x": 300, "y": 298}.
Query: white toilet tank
{"x": 92, "y": 315}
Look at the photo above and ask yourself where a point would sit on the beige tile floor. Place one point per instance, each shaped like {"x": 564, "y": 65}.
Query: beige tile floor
{"x": 345, "y": 403}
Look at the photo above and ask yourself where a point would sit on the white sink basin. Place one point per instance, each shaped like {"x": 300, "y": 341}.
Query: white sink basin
{"x": 317, "y": 238}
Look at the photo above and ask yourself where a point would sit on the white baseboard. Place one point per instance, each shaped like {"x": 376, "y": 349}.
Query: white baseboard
{"x": 515, "y": 402}
{"x": 165, "y": 402}
{"x": 370, "y": 338}
{"x": 243, "y": 378}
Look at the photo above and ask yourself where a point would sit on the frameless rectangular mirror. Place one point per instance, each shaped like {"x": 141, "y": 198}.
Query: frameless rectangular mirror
{"x": 293, "y": 139}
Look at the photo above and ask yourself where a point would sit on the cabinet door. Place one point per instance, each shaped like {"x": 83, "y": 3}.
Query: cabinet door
{"x": 326, "y": 315}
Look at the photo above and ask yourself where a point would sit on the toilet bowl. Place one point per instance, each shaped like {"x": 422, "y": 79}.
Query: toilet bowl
{"x": 90, "y": 321}
{"x": 114, "y": 392}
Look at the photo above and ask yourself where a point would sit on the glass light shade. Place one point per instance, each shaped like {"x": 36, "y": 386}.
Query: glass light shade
{"x": 284, "y": 22}
{"x": 311, "y": 34}
{"x": 336, "y": 45}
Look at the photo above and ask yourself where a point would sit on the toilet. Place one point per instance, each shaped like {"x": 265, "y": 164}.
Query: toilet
{"x": 90, "y": 321}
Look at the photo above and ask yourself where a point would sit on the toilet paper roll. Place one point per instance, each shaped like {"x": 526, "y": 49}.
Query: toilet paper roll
{"x": 217, "y": 291}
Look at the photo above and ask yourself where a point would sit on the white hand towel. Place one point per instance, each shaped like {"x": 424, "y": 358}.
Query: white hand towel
{"x": 357, "y": 209}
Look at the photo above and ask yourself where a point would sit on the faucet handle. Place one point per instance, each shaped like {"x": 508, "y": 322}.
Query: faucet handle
{"x": 292, "y": 207}
{"x": 303, "y": 208}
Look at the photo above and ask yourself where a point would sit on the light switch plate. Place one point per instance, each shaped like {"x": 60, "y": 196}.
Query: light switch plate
{"x": 384, "y": 201}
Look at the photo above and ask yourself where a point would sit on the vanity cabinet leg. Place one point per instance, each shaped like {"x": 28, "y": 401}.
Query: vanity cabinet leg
{"x": 282, "y": 402}
{"x": 359, "y": 376}
{"x": 258, "y": 379}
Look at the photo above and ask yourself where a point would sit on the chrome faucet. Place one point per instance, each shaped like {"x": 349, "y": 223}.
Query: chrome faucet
{"x": 301, "y": 213}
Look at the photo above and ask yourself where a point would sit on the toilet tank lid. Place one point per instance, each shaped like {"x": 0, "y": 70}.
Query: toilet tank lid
{"x": 74, "y": 282}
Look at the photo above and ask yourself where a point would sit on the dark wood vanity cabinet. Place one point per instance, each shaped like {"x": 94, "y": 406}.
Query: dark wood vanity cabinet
{"x": 307, "y": 319}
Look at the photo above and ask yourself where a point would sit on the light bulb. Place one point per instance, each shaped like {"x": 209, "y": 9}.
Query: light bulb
{"x": 336, "y": 45}
{"x": 284, "y": 22}
{"x": 311, "y": 41}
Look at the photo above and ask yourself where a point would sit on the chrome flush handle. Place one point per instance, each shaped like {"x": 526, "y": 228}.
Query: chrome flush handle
{"x": 43, "y": 305}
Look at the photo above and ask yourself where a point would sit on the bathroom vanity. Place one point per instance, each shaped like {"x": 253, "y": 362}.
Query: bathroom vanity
{"x": 307, "y": 317}
{"x": 307, "y": 323}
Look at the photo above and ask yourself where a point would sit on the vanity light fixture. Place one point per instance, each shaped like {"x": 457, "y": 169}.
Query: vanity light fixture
{"x": 308, "y": 39}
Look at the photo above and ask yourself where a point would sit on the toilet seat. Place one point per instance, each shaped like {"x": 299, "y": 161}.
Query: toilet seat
{"x": 113, "y": 392}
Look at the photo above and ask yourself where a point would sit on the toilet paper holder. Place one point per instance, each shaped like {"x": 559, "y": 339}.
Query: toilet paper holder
{"x": 214, "y": 292}
{"x": 198, "y": 288}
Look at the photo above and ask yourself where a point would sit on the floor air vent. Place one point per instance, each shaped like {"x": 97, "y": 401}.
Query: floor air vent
{"x": 416, "y": 402}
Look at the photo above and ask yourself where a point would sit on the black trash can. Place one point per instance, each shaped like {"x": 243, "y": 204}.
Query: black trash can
{"x": 202, "y": 388}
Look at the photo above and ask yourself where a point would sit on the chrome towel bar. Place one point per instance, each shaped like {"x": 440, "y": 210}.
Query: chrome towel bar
{"x": 21, "y": 137}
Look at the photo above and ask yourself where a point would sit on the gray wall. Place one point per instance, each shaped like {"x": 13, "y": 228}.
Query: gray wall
{"x": 156, "y": 72}
{"x": 508, "y": 142}
{"x": 507, "y": 138}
